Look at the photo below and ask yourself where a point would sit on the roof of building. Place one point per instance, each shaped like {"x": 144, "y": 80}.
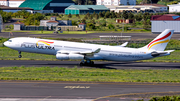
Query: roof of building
{"x": 2, "y": 7}
{"x": 88, "y": 7}
{"x": 12, "y": 0}
{"x": 82, "y": 24}
{"x": 174, "y": 4}
{"x": 40, "y": 4}
{"x": 18, "y": 23}
{"x": 52, "y": 21}
{"x": 169, "y": 17}
{"x": 158, "y": 5}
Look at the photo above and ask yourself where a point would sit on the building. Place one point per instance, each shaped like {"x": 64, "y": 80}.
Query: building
{"x": 47, "y": 6}
{"x": 116, "y": 2}
{"x": 11, "y": 3}
{"x": 18, "y": 26}
{"x": 14, "y": 9}
{"x": 53, "y": 22}
{"x": 84, "y": 9}
{"x": 174, "y": 8}
{"x": 137, "y": 8}
{"x": 161, "y": 8}
{"x": 168, "y": 21}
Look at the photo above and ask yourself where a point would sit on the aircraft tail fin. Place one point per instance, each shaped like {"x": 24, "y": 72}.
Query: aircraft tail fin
{"x": 160, "y": 42}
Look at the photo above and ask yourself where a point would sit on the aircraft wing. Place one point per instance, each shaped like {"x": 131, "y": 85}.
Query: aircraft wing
{"x": 87, "y": 53}
{"x": 124, "y": 44}
{"x": 154, "y": 54}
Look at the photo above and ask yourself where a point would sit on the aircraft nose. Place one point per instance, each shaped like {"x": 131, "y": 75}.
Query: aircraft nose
{"x": 5, "y": 43}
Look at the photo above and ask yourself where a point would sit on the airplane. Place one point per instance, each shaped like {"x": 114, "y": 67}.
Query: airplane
{"x": 64, "y": 50}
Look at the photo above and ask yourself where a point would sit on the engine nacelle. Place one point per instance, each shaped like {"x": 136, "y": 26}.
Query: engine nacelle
{"x": 62, "y": 56}
{"x": 70, "y": 56}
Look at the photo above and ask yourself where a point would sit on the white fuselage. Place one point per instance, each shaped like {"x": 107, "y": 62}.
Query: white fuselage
{"x": 111, "y": 53}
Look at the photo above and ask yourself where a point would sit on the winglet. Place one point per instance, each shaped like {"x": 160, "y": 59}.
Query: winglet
{"x": 97, "y": 50}
{"x": 124, "y": 44}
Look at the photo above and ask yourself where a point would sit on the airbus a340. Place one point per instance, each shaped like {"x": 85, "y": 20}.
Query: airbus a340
{"x": 65, "y": 50}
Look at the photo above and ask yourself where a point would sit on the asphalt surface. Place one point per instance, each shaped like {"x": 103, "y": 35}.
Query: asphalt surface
{"x": 134, "y": 36}
{"x": 77, "y": 90}
{"x": 98, "y": 64}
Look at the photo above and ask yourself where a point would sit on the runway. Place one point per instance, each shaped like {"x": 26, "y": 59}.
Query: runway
{"x": 98, "y": 64}
{"x": 134, "y": 36}
{"x": 82, "y": 91}
{"x": 85, "y": 91}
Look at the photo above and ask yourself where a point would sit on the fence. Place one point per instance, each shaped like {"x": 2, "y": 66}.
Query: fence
{"x": 34, "y": 28}
{"x": 63, "y": 28}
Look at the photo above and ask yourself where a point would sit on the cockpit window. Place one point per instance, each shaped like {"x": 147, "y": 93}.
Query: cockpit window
{"x": 10, "y": 40}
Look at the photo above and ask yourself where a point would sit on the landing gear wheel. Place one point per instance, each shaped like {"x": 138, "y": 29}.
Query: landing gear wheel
{"x": 81, "y": 64}
{"x": 92, "y": 63}
{"x": 86, "y": 63}
{"x": 20, "y": 56}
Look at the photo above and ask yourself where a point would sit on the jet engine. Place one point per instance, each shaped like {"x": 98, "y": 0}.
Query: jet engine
{"x": 69, "y": 56}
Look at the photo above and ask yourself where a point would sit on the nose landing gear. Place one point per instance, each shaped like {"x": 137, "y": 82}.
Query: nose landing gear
{"x": 20, "y": 56}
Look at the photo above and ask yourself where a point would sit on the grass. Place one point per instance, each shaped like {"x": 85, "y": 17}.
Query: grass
{"x": 88, "y": 74}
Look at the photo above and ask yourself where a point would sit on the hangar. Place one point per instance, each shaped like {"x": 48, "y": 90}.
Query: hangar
{"x": 47, "y": 6}
{"x": 83, "y": 9}
{"x": 168, "y": 21}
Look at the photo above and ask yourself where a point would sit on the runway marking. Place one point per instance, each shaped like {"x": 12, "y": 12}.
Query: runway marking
{"x": 77, "y": 87}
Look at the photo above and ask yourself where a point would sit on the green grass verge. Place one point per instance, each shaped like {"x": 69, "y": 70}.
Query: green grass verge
{"x": 88, "y": 74}
{"x": 9, "y": 54}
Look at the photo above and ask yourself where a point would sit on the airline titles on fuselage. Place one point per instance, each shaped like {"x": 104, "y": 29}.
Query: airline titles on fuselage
{"x": 39, "y": 46}
{"x": 126, "y": 55}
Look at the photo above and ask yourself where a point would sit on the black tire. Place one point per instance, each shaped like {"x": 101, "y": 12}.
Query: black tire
{"x": 81, "y": 64}
{"x": 92, "y": 63}
{"x": 20, "y": 56}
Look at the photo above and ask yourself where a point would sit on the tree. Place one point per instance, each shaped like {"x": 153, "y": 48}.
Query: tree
{"x": 83, "y": 21}
{"x": 77, "y": 15}
{"x": 69, "y": 15}
{"x": 125, "y": 15}
{"x": 107, "y": 14}
{"x": 88, "y": 14}
{"x": 96, "y": 16}
{"x": 130, "y": 16}
{"x": 100, "y": 14}
{"x": 24, "y": 13}
{"x": 113, "y": 15}
{"x": 110, "y": 26}
{"x": 91, "y": 17}
{"x": 91, "y": 26}
{"x": 103, "y": 13}
{"x": 138, "y": 17}
{"x": 146, "y": 16}
{"x": 5, "y": 16}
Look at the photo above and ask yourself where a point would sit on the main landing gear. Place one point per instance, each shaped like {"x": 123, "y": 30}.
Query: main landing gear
{"x": 86, "y": 63}
{"x": 20, "y": 56}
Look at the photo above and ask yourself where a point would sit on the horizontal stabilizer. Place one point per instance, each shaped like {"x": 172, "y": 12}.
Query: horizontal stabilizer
{"x": 155, "y": 54}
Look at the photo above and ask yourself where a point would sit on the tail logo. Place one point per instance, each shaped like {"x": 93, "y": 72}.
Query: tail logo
{"x": 45, "y": 42}
{"x": 159, "y": 39}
